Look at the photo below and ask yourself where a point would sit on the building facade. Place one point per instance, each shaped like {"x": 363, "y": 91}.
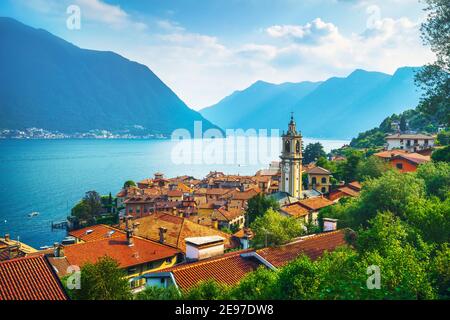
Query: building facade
{"x": 291, "y": 161}
{"x": 409, "y": 142}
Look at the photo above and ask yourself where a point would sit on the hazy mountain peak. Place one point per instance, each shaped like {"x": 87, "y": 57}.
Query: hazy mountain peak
{"x": 49, "y": 83}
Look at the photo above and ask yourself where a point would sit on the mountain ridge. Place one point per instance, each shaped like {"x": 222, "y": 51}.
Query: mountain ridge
{"x": 339, "y": 107}
{"x": 48, "y": 82}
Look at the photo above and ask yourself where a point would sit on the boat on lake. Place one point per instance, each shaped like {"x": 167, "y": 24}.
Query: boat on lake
{"x": 33, "y": 214}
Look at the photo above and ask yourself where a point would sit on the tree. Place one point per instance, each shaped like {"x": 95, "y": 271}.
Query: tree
{"x": 403, "y": 124}
{"x": 258, "y": 205}
{"x": 81, "y": 211}
{"x": 372, "y": 167}
{"x": 103, "y": 280}
{"x": 436, "y": 177}
{"x": 273, "y": 229}
{"x": 312, "y": 152}
{"x": 129, "y": 183}
{"x": 94, "y": 203}
{"x": 434, "y": 78}
{"x": 158, "y": 293}
{"x": 441, "y": 155}
{"x": 258, "y": 285}
{"x": 207, "y": 290}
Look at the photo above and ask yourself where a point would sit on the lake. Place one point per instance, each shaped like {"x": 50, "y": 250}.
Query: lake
{"x": 50, "y": 176}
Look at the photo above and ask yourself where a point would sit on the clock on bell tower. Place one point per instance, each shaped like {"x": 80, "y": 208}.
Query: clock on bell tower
{"x": 291, "y": 161}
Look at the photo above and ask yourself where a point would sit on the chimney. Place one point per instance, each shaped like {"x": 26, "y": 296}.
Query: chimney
{"x": 162, "y": 231}
{"x": 58, "y": 250}
{"x": 215, "y": 223}
{"x": 200, "y": 248}
{"x": 7, "y": 237}
{"x": 129, "y": 230}
{"x": 329, "y": 224}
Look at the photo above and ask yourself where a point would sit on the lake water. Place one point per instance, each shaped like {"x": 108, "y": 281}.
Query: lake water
{"x": 50, "y": 176}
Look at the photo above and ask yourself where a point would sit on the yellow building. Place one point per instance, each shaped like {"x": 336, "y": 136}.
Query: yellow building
{"x": 319, "y": 179}
{"x": 291, "y": 161}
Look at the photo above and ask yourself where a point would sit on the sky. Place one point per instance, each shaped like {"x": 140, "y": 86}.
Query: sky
{"x": 204, "y": 50}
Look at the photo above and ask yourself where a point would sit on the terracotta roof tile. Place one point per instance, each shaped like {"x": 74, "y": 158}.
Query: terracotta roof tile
{"x": 29, "y": 278}
{"x": 316, "y": 203}
{"x": 295, "y": 210}
{"x": 318, "y": 170}
{"x": 95, "y": 233}
{"x": 142, "y": 251}
{"x": 178, "y": 229}
{"x": 227, "y": 269}
{"x": 313, "y": 246}
{"x": 349, "y": 191}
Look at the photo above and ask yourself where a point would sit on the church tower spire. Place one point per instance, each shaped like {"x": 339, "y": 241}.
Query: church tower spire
{"x": 291, "y": 161}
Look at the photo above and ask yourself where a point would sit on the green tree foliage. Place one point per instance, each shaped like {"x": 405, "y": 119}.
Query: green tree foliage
{"x": 258, "y": 205}
{"x": 103, "y": 280}
{"x": 442, "y": 155}
{"x": 157, "y": 293}
{"x": 443, "y": 137}
{"x": 372, "y": 167}
{"x": 88, "y": 209}
{"x": 258, "y": 285}
{"x": 208, "y": 290}
{"x": 129, "y": 183}
{"x": 273, "y": 229}
{"x": 435, "y": 78}
{"x": 312, "y": 152}
{"x": 436, "y": 177}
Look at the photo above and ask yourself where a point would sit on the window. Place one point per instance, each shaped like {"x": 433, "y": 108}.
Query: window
{"x": 324, "y": 180}
{"x": 324, "y": 190}
{"x": 287, "y": 146}
{"x": 399, "y": 166}
{"x": 314, "y": 180}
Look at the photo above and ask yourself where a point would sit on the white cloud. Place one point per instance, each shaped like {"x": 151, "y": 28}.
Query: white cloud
{"x": 312, "y": 32}
{"x": 112, "y": 15}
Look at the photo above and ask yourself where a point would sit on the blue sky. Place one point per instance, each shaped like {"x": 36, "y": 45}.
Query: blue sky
{"x": 206, "y": 49}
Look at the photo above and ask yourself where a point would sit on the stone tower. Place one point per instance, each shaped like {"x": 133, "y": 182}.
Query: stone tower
{"x": 291, "y": 161}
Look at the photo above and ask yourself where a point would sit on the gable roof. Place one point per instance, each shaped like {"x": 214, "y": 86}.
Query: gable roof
{"x": 29, "y": 278}
{"x": 318, "y": 170}
{"x": 316, "y": 203}
{"x": 295, "y": 210}
{"x": 414, "y": 158}
{"x": 387, "y": 154}
{"x": 178, "y": 228}
{"x": 224, "y": 214}
{"x": 313, "y": 246}
{"x": 227, "y": 269}
{"x": 142, "y": 251}
{"x": 96, "y": 232}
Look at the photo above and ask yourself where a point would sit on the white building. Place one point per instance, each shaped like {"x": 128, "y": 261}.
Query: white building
{"x": 409, "y": 142}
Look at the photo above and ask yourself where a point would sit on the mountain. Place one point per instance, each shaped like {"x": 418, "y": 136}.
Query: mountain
{"x": 337, "y": 108}
{"x": 49, "y": 83}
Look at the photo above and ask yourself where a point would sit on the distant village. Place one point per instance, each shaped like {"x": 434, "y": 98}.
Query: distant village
{"x": 177, "y": 232}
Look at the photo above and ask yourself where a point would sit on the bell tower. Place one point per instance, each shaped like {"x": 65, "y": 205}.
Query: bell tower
{"x": 291, "y": 161}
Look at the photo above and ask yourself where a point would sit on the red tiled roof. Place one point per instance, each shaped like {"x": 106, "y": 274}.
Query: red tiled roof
{"x": 389, "y": 153}
{"x": 227, "y": 269}
{"x": 316, "y": 203}
{"x": 312, "y": 246}
{"x": 229, "y": 214}
{"x": 217, "y": 191}
{"x": 95, "y": 233}
{"x": 355, "y": 185}
{"x": 29, "y": 278}
{"x": 178, "y": 228}
{"x": 142, "y": 251}
{"x": 295, "y": 210}
{"x": 318, "y": 170}
{"x": 174, "y": 193}
{"x": 349, "y": 191}
{"x": 414, "y": 158}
